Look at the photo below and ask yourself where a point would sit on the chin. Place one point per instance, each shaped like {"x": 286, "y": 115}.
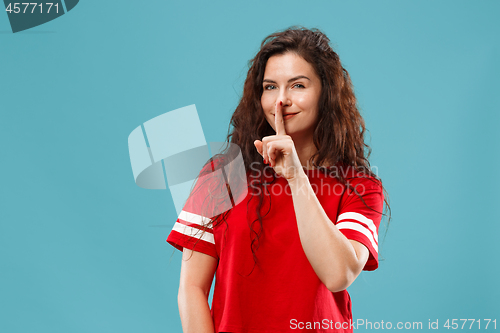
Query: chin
{"x": 295, "y": 132}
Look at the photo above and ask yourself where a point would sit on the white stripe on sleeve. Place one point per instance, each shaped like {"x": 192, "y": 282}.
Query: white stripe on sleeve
{"x": 361, "y": 218}
{"x": 359, "y": 228}
{"x": 194, "y": 232}
{"x": 194, "y": 218}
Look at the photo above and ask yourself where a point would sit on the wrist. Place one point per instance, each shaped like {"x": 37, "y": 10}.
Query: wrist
{"x": 298, "y": 181}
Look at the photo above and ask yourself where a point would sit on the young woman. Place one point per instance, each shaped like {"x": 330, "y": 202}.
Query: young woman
{"x": 284, "y": 255}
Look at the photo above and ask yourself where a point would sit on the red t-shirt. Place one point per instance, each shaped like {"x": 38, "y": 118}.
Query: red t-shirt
{"x": 282, "y": 293}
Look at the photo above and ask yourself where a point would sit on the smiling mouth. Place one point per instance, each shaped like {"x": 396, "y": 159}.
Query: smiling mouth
{"x": 288, "y": 115}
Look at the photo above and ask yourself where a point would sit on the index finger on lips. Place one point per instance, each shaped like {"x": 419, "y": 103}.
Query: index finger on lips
{"x": 279, "y": 123}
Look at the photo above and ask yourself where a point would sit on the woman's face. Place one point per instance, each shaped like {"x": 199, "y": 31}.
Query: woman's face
{"x": 292, "y": 80}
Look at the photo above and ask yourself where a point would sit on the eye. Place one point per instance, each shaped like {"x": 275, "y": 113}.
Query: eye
{"x": 269, "y": 87}
{"x": 298, "y": 85}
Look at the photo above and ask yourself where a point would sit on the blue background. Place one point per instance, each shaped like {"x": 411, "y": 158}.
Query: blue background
{"x": 82, "y": 247}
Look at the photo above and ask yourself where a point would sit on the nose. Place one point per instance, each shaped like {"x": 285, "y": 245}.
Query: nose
{"x": 284, "y": 97}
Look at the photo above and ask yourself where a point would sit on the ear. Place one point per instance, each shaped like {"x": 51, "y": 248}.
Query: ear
{"x": 258, "y": 145}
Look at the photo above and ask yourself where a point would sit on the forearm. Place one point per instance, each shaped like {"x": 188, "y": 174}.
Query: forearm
{"x": 330, "y": 253}
{"x": 194, "y": 310}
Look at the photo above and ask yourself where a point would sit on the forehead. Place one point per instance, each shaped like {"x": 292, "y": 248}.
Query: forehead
{"x": 288, "y": 65}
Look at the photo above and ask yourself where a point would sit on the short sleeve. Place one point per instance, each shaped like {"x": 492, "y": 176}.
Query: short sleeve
{"x": 360, "y": 221}
{"x": 193, "y": 228}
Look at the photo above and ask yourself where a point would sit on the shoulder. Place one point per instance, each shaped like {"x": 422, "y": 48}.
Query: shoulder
{"x": 209, "y": 179}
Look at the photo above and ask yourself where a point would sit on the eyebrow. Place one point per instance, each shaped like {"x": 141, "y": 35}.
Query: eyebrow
{"x": 292, "y": 79}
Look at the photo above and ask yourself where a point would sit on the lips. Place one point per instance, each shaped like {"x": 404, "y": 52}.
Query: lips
{"x": 288, "y": 114}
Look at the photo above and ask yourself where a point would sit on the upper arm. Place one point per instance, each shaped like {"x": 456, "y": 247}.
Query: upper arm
{"x": 197, "y": 270}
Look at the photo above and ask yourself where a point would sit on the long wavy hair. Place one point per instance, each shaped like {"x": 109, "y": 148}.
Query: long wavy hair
{"x": 339, "y": 134}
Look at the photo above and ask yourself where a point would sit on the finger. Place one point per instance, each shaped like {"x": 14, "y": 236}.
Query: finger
{"x": 279, "y": 123}
{"x": 262, "y": 146}
{"x": 272, "y": 153}
{"x": 264, "y": 151}
{"x": 258, "y": 145}
{"x": 279, "y": 149}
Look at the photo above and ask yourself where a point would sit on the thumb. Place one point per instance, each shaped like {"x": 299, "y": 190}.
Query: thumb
{"x": 258, "y": 145}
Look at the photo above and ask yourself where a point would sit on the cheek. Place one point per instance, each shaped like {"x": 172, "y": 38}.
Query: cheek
{"x": 265, "y": 101}
{"x": 307, "y": 102}
{"x": 267, "y": 104}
